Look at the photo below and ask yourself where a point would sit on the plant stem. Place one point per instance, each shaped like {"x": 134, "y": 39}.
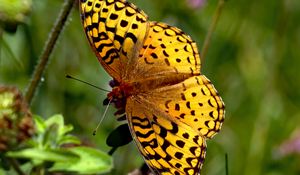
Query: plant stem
{"x": 226, "y": 164}
{"x": 13, "y": 162}
{"x": 212, "y": 29}
{"x": 48, "y": 48}
{"x": 39, "y": 170}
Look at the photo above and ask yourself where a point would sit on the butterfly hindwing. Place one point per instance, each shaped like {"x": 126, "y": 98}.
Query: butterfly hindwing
{"x": 170, "y": 124}
{"x": 194, "y": 102}
{"x": 167, "y": 147}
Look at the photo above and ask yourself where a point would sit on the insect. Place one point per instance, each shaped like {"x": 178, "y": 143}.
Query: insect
{"x": 170, "y": 107}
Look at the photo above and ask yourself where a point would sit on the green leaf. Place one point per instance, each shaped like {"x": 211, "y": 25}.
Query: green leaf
{"x": 44, "y": 155}
{"x": 69, "y": 139}
{"x": 66, "y": 129}
{"x": 47, "y": 148}
{"x": 91, "y": 161}
{"x": 56, "y": 120}
{"x": 52, "y": 132}
{"x": 39, "y": 124}
{"x": 2, "y": 172}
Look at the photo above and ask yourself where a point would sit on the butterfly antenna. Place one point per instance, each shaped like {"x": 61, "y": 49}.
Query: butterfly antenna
{"x": 104, "y": 114}
{"x": 70, "y": 77}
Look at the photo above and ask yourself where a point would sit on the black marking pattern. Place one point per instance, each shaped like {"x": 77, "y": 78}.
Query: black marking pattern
{"x": 147, "y": 136}
{"x": 197, "y": 104}
{"x": 170, "y": 47}
{"x": 105, "y": 22}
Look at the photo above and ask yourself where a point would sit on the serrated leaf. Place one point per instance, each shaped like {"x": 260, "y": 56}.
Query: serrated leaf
{"x": 91, "y": 161}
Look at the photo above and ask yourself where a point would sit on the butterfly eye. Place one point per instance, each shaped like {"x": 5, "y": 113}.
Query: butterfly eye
{"x": 113, "y": 83}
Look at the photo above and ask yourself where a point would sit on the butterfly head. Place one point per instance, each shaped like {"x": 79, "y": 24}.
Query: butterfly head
{"x": 120, "y": 92}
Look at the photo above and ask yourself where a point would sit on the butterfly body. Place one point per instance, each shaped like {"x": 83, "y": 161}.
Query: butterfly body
{"x": 122, "y": 91}
{"x": 171, "y": 108}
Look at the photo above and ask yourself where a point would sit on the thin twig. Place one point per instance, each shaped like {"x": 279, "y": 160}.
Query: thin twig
{"x": 212, "y": 29}
{"x": 1, "y": 32}
{"x": 44, "y": 57}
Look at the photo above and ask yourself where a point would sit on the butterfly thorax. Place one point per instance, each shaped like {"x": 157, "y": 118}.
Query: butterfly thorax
{"x": 124, "y": 90}
{"x": 120, "y": 92}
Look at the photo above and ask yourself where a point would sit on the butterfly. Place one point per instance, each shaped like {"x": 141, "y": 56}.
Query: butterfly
{"x": 170, "y": 107}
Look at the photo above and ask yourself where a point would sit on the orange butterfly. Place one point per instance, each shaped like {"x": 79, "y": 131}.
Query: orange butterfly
{"x": 171, "y": 108}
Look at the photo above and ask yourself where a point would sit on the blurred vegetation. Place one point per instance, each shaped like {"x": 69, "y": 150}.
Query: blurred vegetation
{"x": 253, "y": 61}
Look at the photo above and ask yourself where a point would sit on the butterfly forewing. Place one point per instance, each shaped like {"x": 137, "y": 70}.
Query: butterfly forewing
{"x": 113, "y": 29}
{"x": 166, "y": 51}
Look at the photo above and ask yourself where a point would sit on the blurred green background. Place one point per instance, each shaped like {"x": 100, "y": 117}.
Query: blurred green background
{"x": 253, "y": 61}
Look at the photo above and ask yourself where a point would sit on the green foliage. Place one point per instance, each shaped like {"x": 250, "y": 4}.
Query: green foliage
{"x": 253, "y": 61}
{"x": 90, "y": 161}
{"x": 53, "y": 144}
{"x": 13, "y": 12}
{"x": 52, "y": 133}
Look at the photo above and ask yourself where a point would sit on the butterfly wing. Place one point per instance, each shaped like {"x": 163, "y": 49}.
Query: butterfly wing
{"x": 130, "y": 48}
{"x": 166, "y": 51}
{"x": 168, "y": 148}
{"x": 194, "y": 102}
{"x": 113, "y": 28}
{"x": 170, "y": 125}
